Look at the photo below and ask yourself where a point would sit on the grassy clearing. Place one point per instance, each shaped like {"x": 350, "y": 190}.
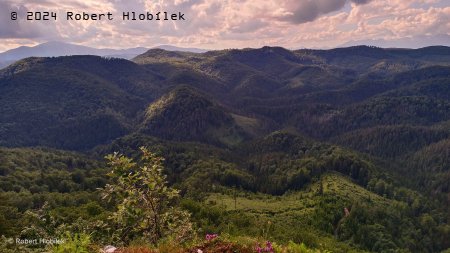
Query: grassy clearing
{"x": 300, "y": 201}
{"x": 294, "y": 213}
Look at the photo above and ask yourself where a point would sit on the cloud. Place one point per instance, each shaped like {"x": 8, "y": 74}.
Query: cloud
{"x": 22, "y": 28}
{"x": 249, "y": 26}
{"x": 360, "y": 1}
{"x": 230, "y": 23}
{"x": 14, "y": 28}
{"x": 309, "y": 10}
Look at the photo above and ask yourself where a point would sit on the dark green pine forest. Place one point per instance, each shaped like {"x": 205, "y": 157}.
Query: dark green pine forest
{"x": 341, "y": 150}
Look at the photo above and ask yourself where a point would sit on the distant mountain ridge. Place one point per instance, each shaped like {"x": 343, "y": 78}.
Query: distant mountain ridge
{"x": 408, "y": 42}
{"x": 54, "y": 49}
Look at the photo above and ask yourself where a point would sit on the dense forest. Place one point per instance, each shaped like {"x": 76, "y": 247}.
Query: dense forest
{"x": 252, "y": 150}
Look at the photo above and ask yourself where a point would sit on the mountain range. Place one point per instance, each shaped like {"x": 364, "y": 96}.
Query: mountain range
{"x": 316, "y": 131}
{"x": 416, "y": 41}
{"x": 54, "y": 49}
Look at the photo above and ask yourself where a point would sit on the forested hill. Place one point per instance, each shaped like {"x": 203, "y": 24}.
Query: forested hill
{"x": 321, "y": 93}
{"x": 272, "y": 124}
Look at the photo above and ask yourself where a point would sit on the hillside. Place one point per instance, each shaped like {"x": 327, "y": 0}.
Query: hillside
{"x": 75, "y": 105}
{"x": 185, "y": 115}
{"x": 265, "y": 143}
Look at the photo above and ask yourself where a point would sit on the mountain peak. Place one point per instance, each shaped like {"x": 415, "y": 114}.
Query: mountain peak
{"x": 184, "y": 114}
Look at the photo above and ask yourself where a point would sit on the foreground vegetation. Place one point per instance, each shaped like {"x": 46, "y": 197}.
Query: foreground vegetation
{"x": 330, "y": 212}
{"x": 145, "y": 217}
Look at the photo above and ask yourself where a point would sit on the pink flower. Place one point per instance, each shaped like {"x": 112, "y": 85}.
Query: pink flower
{"x": 269, "y": 247}
{"x": 210, "y": 237}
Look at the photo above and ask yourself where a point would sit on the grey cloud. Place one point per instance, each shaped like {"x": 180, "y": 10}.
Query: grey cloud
{"x": 304, "y": 11}
{"x": 360, "y": 1}
{"x": 250, "y": 26}
{"x": 21, "y": 28}
{"x": 52, "y": 3}
{"x": 192, "y": 26}
{"x": 326, "y": 6}
{"x": 9, "y": 28}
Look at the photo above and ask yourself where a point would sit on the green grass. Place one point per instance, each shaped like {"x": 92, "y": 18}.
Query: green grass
{"x": 301, "y": 201}
{"x": 292, "y": 215}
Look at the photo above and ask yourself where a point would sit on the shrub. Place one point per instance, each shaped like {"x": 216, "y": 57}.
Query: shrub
{"x": 147, "y": 207}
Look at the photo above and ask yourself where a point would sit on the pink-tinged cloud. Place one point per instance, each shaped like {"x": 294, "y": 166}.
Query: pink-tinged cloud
{"x": 215, "y": 24}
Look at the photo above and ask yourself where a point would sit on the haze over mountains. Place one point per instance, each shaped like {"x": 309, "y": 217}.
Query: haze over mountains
{"x": 360, "y": 127}
{"x": 53, "y": 49}
{"x": 417, "y": 41}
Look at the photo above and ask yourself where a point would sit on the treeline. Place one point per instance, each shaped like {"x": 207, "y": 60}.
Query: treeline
{"x": 391, "y": 141}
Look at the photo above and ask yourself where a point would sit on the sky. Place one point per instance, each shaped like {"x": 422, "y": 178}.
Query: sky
{"x": 218, "y": 24}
